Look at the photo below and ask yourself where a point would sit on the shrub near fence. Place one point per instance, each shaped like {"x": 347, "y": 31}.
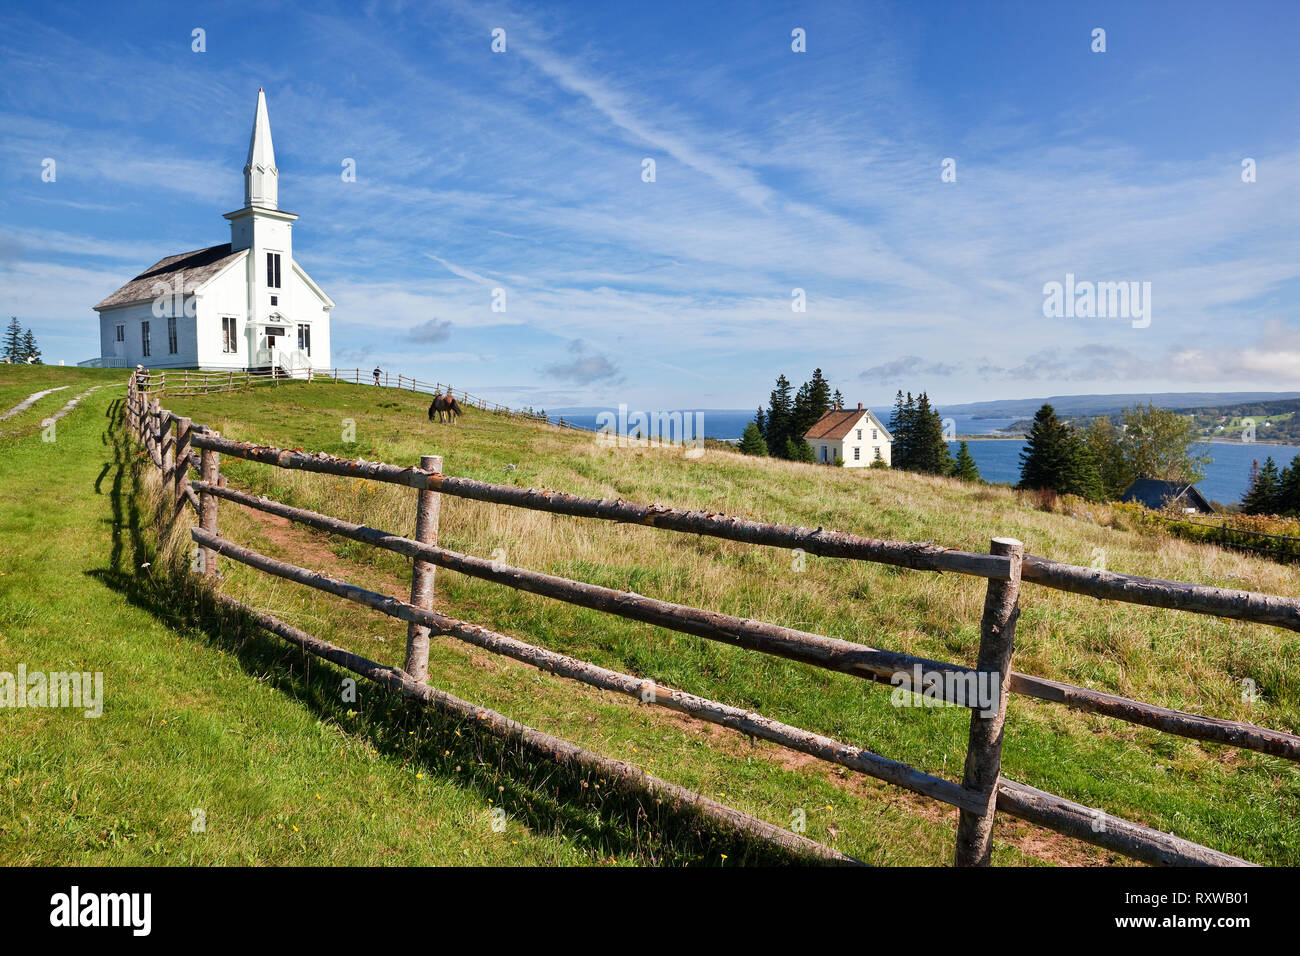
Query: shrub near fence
{"x": 1226, "y": 532}
{"x": 982, "y": 791}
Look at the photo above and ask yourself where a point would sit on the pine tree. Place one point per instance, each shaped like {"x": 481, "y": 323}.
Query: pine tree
{"x": 13, "y": 339}
{"x": 796, "y": 449}
{"x": 964, "y": 466}
{"x": 779, "y": 418}
{"x": 1082, "y": 477}
{"x": 878, "y": 461}
{"x": 30, "y": 351}
{"x": 837, "y": 399}
{"x": 900, "y": 426}
{"x": 1288, "y": 502}
{"x": 927, "y": 451}
{"x": 761, "y": 421}
{"x": 1263, "y": 497}
{"x": 1044, "y": 460}
{"x": 752, "y": 443}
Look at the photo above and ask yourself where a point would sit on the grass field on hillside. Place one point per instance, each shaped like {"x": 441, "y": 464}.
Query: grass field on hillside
{"x": 237, "y": 693}
{"x": 1236, "y": 801}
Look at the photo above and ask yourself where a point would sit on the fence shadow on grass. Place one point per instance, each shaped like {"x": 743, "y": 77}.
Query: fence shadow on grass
{"x": 545, "y": 797}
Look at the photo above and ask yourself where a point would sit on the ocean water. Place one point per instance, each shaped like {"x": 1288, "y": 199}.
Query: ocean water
{"x": 729, "y": 423}
{"x": 1226, "y": 479}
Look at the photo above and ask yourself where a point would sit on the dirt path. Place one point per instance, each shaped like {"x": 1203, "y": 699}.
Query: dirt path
{"x": 29, "y": 401}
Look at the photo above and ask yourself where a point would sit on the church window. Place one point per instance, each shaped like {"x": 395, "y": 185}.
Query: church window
{"x": 304, "y": 339}
{"x": 273, "y": 270}
{"x": 121, "y": 333}
{"x": 228, "y": 334}
{"x": 171, "y": 335}
{"x": 144, "y": 338}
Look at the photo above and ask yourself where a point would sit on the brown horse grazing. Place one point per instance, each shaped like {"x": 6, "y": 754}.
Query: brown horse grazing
{"x": 445, "y": 404}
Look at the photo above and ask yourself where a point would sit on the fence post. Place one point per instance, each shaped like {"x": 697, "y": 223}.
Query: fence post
{"x": 426, "y": 532}
{"x": 154, "y": 445}
{"x": 182, "y": 473}
{"x": 168, "y": 445}
{"x": 984, "y": 750}
{"x": 210, "y": 462}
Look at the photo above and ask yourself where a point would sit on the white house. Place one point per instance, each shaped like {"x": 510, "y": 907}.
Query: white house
{"x": 852, "y": 435}
{"x": 245, "y": 304}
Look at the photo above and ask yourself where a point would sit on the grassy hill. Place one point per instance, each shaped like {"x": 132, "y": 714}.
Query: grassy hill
{"x": 310, "y": 780}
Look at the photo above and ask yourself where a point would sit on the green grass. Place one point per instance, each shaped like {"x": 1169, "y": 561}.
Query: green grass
{"x": 1232, "y": 800}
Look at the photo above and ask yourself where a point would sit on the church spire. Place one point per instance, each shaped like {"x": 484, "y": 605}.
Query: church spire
{"x": 261, "y": 178}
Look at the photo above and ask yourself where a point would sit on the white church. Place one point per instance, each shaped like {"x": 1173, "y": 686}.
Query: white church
{"x": 245, "y": 304}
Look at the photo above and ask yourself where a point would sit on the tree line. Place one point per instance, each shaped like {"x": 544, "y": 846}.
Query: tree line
{"x": 1273, "y": 491}
{"x": 19, "y": 345}
{"x": 777, "y": 431}
{"x": 1099, "y": 461}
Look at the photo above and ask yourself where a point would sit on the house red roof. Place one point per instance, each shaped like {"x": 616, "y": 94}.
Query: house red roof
{"x": 838, "y": 422}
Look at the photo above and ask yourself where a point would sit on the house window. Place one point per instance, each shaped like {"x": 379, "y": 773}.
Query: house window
{"x": 275, "y": 300}
{"x": 144, "y": 338}
{"x": 273, "y": 270}
{"x": 121, "y": 333}
{"x": 171, "y": 336}
{"x": 228, "y": 334}
{"x": 857, "y": 453}
{"x": 873, "y": 434}
{"x": 304, "y": 339}
{"x": 859, "y": 434}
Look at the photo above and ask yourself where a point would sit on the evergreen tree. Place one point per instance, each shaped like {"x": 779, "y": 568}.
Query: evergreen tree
{"x": 878, "y": 461}
{"x": 819, "y": 393}
{"x": 1263, "y": 497}
{"x": 1289, "y": 489}
{"x": 796, "y": 449}
{"x": 779, "y": 417}
{"x": 752, "y": 443}
{"x": 761, "y": 421}
{"x": 837, "y": 399}
{"x": 927, "y": 451}
{"x": 30, "y": 350}
{"x": 1044, "y": 461}
{"x": 13, "y": 339}
{"x": 964, "y": 466}
{"x": 1082, "y": 477}
{"x": 900, "y": 426}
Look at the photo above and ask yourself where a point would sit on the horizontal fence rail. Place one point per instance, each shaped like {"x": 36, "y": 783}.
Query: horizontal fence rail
{"x": 886, "y": 667}
{"x": 984, "y": 790}
{"x": 923, "y": 556}
{"x": 622, "y": 775}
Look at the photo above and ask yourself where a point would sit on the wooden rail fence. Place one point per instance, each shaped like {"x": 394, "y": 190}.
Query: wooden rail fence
{"x": 981, "y": 793}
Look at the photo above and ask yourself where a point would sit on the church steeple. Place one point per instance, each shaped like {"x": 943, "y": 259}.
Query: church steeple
{"x": 261, "y": 178}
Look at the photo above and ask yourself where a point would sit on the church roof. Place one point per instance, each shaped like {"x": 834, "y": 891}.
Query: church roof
{"x": 192, "y": 269}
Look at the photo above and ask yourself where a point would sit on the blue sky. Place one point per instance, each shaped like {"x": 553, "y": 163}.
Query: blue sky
{"x": 775, "y": 170}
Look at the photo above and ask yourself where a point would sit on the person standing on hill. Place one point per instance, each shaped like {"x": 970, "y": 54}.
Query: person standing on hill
{"x": 377, "y": 371}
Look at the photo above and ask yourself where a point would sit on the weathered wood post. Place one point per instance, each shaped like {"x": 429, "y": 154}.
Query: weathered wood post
{"x": 152, "y": 424}
{"x": 984, "y": 750}
{"x": 168, "y": 446}
{"x": 426, "y": 532}
{"x": 210, "y": 462}
{"x": 182, "y": 473}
